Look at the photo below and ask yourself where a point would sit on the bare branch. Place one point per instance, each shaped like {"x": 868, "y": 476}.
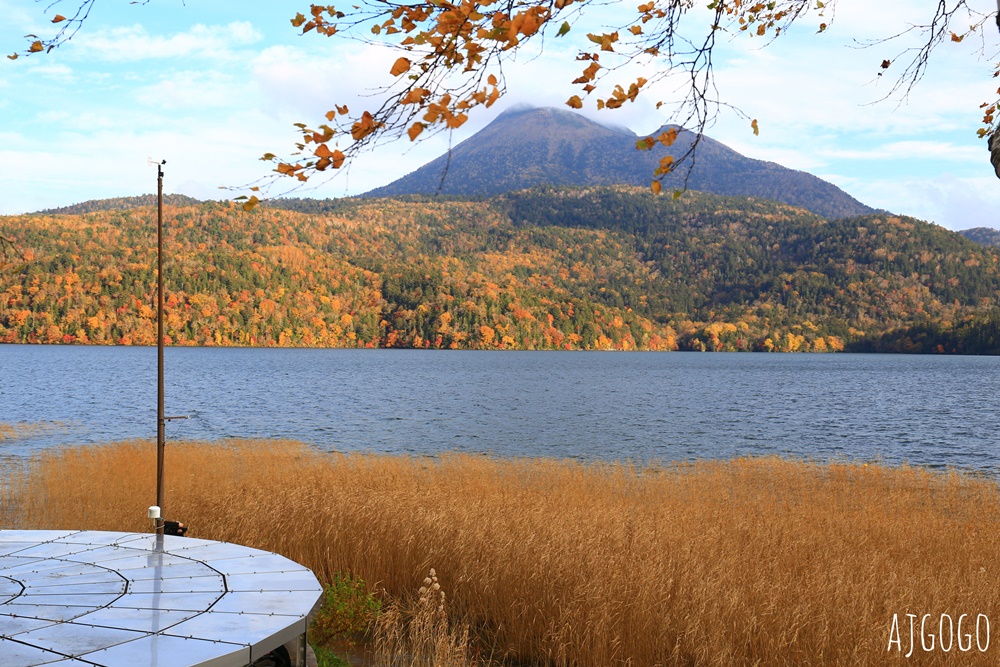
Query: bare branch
{"x": 452, "y": 53}
{"x": 68, "y": 27}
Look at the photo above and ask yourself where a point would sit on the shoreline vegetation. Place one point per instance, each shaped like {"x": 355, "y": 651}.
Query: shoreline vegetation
{"x": 17, "y": 430}
{"x": 553, "y": 562}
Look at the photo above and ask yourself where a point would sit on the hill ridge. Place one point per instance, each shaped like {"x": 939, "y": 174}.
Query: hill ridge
{"x": 119, "y": 204}
{"x": 546, "y": 146}
{"x": 983, "y": 235}
{"x": 549, "y": 268}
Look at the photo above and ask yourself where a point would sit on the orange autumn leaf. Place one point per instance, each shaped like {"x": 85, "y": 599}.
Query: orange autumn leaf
{"x": 456, "y": 121}
{"x": 338, "y": 159}
{"x": 363, "y": 127}
{"x": 415, "y": 96}
{"x": 666, "y": 165}
{"x": 401, "y": 66}
{"x": 669, "y": 137}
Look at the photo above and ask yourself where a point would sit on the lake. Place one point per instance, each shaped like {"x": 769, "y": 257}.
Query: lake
{"x": 928, "y": 410}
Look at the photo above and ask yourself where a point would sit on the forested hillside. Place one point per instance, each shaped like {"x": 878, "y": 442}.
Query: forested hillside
{"x": 982, "y": 235}
{"x": 122, "y": 204}
{"x": 593, "y": 268}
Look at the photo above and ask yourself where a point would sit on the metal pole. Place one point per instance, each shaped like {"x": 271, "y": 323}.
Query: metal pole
{"x": 160, "y": 420}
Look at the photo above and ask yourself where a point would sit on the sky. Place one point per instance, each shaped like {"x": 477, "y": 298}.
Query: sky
{"x": 211, "y": 85}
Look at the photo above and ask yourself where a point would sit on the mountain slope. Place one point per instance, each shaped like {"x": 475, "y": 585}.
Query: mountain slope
{"x": 982, "y": 235}
{"x": 525, "y": 148}
{"x": 548, "y": 268}
{"x": 120, "y": 204}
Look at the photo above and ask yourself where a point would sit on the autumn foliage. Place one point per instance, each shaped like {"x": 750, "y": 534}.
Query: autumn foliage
{"x": 596, "y": 268}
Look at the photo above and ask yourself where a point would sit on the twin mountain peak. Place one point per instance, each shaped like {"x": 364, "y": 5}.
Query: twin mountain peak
{"x": 527, "y": 147}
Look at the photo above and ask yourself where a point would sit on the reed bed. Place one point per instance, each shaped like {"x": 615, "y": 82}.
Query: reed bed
{"x": 749, "y": 561}
{"x": 17, "y": 430}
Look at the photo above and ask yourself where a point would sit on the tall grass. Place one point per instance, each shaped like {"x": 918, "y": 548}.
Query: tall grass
{"x": 18, "y": 430}
{"x": 749, "y": 561}
{"x": 421, "y": 634}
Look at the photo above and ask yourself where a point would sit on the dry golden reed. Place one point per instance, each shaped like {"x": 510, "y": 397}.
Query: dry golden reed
{"x": 742, "y": 562}
{"x": 420, "y": 633}
{"x": 18, "y": 430}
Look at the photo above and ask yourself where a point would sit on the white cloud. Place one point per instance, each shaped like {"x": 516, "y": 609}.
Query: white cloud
{"x": 56, "y": 71}
{"x": 61, "y": 121}
{"x": 128, "y": 44}
{"x": 299, "y": 85}
{"x": 17, "y": 20}
{"x": 951, "y": 201}
{"x": 903, "y": 150}
{"x": 309, "y": 82}
{"x": 193, "y": 91}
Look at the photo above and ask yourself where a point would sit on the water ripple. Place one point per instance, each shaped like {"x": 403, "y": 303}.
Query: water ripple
{"x": 641, "y": 406}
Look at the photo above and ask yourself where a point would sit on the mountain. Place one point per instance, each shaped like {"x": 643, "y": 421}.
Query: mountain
{"x": 982, "y": 235}
{"x": 527, "y": 147}
{"x": 120, "y": 204}
{"x": 547, "y": 268}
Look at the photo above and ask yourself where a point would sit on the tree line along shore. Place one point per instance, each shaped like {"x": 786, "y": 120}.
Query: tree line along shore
{"x": 611, "y": 268}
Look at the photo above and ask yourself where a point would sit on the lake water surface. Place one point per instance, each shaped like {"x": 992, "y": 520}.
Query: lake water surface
{"x": 930, "y": 410}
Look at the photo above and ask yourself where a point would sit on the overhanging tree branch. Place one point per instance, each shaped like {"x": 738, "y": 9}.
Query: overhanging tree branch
{"x": 451, "y": 55}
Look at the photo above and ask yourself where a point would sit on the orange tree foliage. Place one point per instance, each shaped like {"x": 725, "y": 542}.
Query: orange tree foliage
{"x": 586, "y": 268}
{"x": 279, "y": 278}
{"x": 451, "y": 54}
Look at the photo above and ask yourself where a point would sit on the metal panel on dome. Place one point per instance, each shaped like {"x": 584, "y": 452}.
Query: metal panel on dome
{"x": 110, "y": 599}
{"x": 13, "y": 564}
{"x": 186, "y": 568}
{"x": 14, "y": 625}
{"x": 15, "y": 653}
{"x": 56, "y": 614}
{"x": 171, "y": 601}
